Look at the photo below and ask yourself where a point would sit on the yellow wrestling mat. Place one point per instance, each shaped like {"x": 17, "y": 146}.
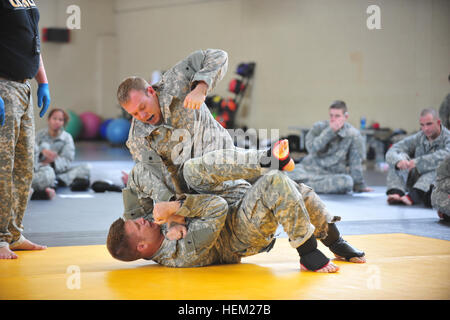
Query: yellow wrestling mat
{"x": 399, "y": 266}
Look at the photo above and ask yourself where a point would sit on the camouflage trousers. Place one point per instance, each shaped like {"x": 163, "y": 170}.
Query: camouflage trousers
{"x": 405, "y": 181}
{"x": 228, "y": 178}
{"x": 273, "y": 200}
{"x": 322, "y": 183}
{"x": 16, "y": 159}
{"x": 45, "y": 176}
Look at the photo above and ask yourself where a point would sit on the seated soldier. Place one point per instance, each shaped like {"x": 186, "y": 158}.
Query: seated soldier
{"x": 440, "y": 197}
{"x": 54, "y": 153}
{"x": 413, "y": 161}
{"x": 208, "y": 235}
{"x": 444, "y": 110}
{"x": 335, "y": 154}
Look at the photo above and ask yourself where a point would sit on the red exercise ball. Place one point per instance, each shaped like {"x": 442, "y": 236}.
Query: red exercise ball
{"x": 91, "y": 125}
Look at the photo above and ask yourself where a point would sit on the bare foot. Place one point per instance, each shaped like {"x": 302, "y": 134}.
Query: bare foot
{"x": 330, "y": 267}
{"x": 354, "y": 259}
{"x": 5, "y": 253}
{"x": 406, "y": 200}
{"x": 394, "y": 198}
{"x": 50, "y": 193}
{"x": 28, "y": 245}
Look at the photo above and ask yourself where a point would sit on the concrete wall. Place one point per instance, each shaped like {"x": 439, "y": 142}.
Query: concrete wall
{"x": 308, "y": 53}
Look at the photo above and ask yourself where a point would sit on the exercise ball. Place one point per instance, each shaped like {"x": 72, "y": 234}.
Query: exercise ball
{"x": 103, "y": 128}
{"x": 91, "y": 125}
{"x": 117, "y": 131}
{"x": 74, "y": 125}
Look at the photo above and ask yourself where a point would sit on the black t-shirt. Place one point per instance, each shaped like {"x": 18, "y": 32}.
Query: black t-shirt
{"x": 19, "y": 39}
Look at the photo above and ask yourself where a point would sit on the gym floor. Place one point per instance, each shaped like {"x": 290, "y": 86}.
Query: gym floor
{"x": 407, "y": 250}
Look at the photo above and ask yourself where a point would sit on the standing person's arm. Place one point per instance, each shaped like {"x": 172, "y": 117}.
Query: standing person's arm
{"x": 43, "y": 93}
{"x": 2, "y": 112}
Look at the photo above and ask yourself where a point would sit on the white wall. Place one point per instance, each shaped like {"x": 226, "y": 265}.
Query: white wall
{"x": 82, "y": 73}
{"x": 308, "y": 53}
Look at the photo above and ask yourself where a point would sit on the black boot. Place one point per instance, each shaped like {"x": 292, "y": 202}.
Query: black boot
{"x": 104, "y": 185}
{"x": 39, "y": 195}
{"x": 339, "y": 246}
{"x": 311, "y": 257}
{"x": 80, "y": 184}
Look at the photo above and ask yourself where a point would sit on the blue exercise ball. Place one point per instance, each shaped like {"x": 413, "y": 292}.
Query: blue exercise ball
{"x": 103, "y": 127}
{"x": 117, "y": 131}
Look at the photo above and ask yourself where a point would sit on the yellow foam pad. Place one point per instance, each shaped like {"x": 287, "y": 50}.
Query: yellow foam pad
{"x": 399, "y": 266}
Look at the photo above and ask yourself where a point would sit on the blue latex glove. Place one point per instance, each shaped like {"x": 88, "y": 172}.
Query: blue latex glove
{"x": 43, "y": 95}
{"x": 2, "y": 112}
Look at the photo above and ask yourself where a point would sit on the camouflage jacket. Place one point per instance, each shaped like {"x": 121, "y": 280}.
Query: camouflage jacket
{"x": 428, "y": 155}
{"x": 444, "y": 112}
{"x": 443, "y": 175}
{"x": 335, "y": 152}
{"x": 62, "y": 144}
{"x": 184, "y": 133}
{"x": 203, "y": 244}
{"x": 209, "y": 221}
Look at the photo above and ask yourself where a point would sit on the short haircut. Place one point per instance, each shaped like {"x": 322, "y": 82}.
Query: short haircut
{"x": 431, "y": 111}
{"x": 339, "y": 104}
{"x": 119, "y": 243}
{"x": 65, "y": 115}
{"x": 136, "y": 83}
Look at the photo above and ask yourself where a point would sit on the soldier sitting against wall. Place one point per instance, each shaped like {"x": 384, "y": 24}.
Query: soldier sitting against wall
{"x": 413, "y": 161}
{"x": 335, "y": 154}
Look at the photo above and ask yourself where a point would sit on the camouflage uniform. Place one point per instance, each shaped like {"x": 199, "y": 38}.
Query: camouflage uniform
{"x": 440, "y": 197}
{"x": 444, "y": 112}
{"x": 16, "y": 159}
{"x": 226, "y": 173}
{"x": 334, "y": 162}
{"x": 254, "y": 213}
{"x": 184, "y": 133}
{"x": 61, "y": 169}
{"x": 215, "y": 237}
{"x": 427, "y": 156}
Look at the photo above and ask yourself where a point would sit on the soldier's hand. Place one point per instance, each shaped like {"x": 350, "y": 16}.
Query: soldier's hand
{"x": 176, "y": 219}
{"x": 43, "y": 95}
{"x": 411, "y": 164}
{"x": 403, "y": 165}
{"x": 196, "y": 97}
{"x": 124, "y": 178}
{"x": 2, "y": 112}
{"x": 176, "y": 232}
{"x": 162, "y": 211}
{"x": 337, "y": 124}
{"x": 49, "y": 155}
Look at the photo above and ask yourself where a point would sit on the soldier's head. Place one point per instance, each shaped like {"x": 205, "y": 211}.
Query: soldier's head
{"x": 338, "y": 111}
{"x": 133, "y": 239}
{"x": 140, "y": 100}
{"x": 57, "y": 118}
{"x": 430, "y": 124}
